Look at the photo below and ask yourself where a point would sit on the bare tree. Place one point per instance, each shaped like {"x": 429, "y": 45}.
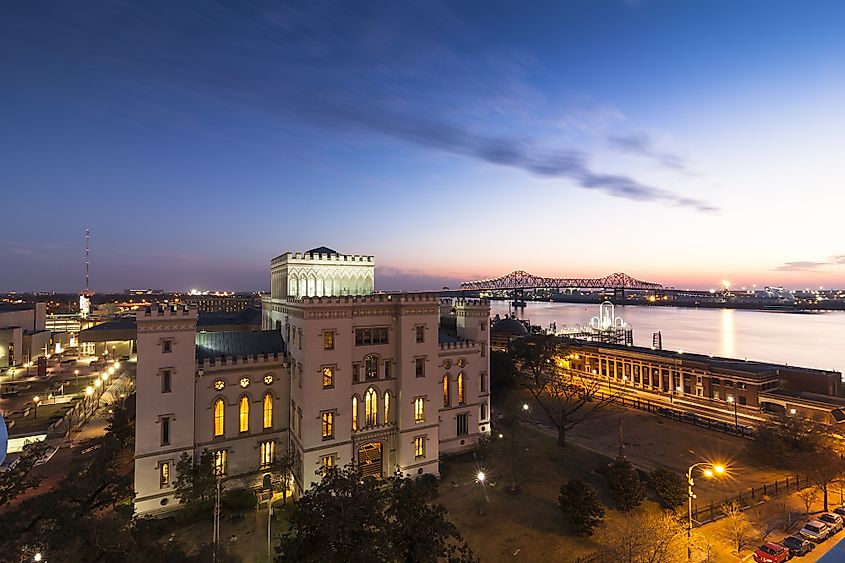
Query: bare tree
{"x": 825, "y": 469}
{"x": 534, "y": 353}
{"x": 644, "y": 537}
{"x": 567, "y": 398}
{"x": 737, "y": 528}
{"x": 808, "y": 497}
{"x": 786, "y": 512}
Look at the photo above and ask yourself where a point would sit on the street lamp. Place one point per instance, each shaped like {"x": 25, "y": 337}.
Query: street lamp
{"x": 35, "y": 401}
{"x": 37, "y": 557}
{"x": 480, "y": 478}
{"x": 736, "y": 418}
{"x": 711, "y": 471}
{"x": 76, "y": 374}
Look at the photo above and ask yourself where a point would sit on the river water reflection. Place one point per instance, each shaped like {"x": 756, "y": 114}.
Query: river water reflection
{"x": 814, "y": 340}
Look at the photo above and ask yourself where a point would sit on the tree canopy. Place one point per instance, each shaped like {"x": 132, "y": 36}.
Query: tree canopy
{"x": 624, "y": 484}
{"x": 581, "y": 506}
{"x": 346, "y": 518}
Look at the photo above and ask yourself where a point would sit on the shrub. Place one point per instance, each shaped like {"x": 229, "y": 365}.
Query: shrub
{"x": 581, "y": 507}
{"x": 669, "y": 486}
{"x": 624, "y": 485}
{"x": 239, "y": 500}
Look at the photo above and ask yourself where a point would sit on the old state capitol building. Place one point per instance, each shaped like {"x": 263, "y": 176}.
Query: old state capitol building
{"x": 339, "y": 375}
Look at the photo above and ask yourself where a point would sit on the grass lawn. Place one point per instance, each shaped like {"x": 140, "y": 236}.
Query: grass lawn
{"x": 529, "y": 523}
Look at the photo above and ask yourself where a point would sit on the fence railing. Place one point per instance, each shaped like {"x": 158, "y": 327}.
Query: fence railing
{"x": 682, "y": 416}
{"x": 713, "y": 511}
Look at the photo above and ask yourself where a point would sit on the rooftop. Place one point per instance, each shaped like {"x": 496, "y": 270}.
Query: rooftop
{"x": 713, "y": 362}
{"x": 238, "y": 344}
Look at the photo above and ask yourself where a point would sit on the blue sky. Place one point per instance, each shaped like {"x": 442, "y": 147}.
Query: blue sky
{"x": 683, "y": 142}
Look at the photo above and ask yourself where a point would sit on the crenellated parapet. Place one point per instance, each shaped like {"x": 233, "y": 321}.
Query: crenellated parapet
{"x": 255, "y": 361}
{"x": 463, "y": 345}
{"x": 384, "y": 298}
{"x": 329, "y": 258}
{"x": 160, "y": 311}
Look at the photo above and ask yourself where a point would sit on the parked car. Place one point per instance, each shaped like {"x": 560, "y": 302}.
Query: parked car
{"x": 840, "y": 510}
{"x": 691, "y": 417}
{"x": 815, "y": 531}
{"x": 798, "y": 546}
{"x": 833, "y": 521}
{"x": 771, "y": 553}
{"x": 663, "y": 411}
{"x": 94, "y": 363}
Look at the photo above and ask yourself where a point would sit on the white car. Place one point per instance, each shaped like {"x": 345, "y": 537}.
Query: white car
{"x": 815, "y": 531}
{"x": 833, "y": 521}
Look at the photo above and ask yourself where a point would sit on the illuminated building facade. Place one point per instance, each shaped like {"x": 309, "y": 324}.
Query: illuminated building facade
{"x": 375, "y": 380}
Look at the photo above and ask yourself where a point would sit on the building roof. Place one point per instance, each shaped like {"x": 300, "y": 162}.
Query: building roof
{"x": 509, "y": 326}
{"x": 238, "y": 344}
{"x": 249, "y": 316}
{"x": 712, "y": 362}
{"x": 321, "y": 250}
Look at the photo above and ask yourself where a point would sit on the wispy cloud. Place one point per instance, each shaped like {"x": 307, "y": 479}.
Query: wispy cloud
{"x": 643, "y": 145}
{"x": 415, "y": 74}
{"x": 812, "y": 266}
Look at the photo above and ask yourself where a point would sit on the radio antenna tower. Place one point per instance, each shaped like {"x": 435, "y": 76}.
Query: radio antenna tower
{"x": 87, "y": 250}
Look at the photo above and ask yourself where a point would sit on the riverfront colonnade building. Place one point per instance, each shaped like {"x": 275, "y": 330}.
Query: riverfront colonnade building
{"x": 388, "y": 382}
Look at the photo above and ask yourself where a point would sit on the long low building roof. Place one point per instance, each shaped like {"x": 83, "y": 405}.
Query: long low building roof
{"x": 711, "y": 362}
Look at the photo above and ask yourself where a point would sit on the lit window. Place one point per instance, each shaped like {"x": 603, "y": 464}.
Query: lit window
{"x": 387, "y": 407}
{"x": 420, "y": 330}
{"x": 219, "y": 457}
{"x": 419, "y": 410}
{"x": 268, "y": 454}
{"x": 219, "y": 407}
{"x": 371, "y": 407}
{"x": 419, "y": 447}
{"x": 328, "y": 377}
{"x": 164, "y": 475}
{"x": 268, "y": 379}
{"x": 165, "y": 381}
{"x": 419, "y": 367}
{"x": 462, "y": 424}
{"x": 219, "y": 385}
{"x": 327, "y": 418}
{"x": 354, "y": 414}
{"x": 371, "y": 367}
{"x": 328, "y": 340}
{"x": 326, "y": 463}
{"x": 244, "y": 382}
{"x": 243, "y": 414}
{"x": 461, "y": 388}
{"x": 446, "y": 399}
{"x": 268, "y": 410}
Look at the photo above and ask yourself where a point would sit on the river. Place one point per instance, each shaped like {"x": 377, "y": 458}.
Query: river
{"x": 815, "y": 340}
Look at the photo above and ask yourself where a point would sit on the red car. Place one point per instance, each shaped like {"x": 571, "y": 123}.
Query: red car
{"x": 771, "y": 553}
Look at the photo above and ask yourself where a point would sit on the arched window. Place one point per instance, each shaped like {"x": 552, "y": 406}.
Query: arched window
{"x": 387, "y": 407}
{"x": 447, "y": 400}
{"x": 219, "y": 408}
{"x": 354, "y": 414}
{"x": 268, "y": 410}
{"x": 461, "y": 388}
{"x": 371, "y": 407}
{"x": 371, "y": 367}
{"x": 243, "y": 413}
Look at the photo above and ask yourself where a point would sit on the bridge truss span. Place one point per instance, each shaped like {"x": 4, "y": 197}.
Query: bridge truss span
{"x": 523, "y": 280}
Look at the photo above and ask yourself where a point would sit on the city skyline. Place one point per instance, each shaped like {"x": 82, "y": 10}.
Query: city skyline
{"x": 680, "y": 143}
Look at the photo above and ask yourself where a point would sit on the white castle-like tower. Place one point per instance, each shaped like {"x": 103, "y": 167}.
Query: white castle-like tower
{"x": 321, "y": 272}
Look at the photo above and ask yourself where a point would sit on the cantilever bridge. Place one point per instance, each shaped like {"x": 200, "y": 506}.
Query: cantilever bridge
{"x": 524, "y": 280}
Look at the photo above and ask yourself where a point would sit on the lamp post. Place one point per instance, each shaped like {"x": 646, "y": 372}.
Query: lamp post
{"x": 76, "y": 376}
{"x": 480, "y": 478}
{"x": 35, "y": 401}
{"x": 711, "y": 471}
{"x": 731, "y": 399}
